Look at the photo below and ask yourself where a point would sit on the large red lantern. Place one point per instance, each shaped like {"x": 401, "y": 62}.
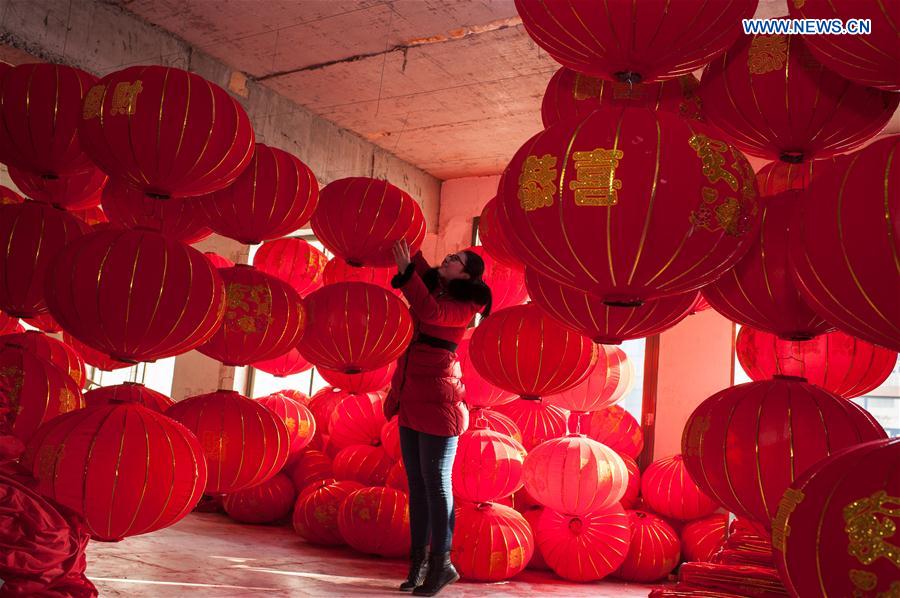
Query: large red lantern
{"x": 294, "y": 261}
{"x": 488, "y": 466}
{"x": 300, "y": 423}
{"x": 40, "y": 108}
{"x": 835, "y": 534}
{"x": 323, "y": 403}
{"x": 630, "y": 499}
{"x": 55, "y": 351}
{"x": 197, "y": 139}
{"x": 358, "y": 419}
{"x": 702, "y": 538}
{"x": 496, "y": 422}
{"x": 636, "y": 42}
{"x": 264, "y": 503}
{"x": 492, "y": 237}
{"x": 125, "y": 469}
{"x": 135, "y": 295}
{"x": 668, "y": 490}
{"x": 316, "y": 511}
{"x": 128, "y": 392}
{"x": 655, "y": 549}
{"x": 479, "y": 392}
{"x": 310, "y": 466}
{"x": 366, "y": 464}
{"x": 179, "y": 219}
{"x": 746, "y": 468}
{"x": 491, "y": 542}
{"x": 273, "y": 197}
{"x": 614, "y": 427}
{"x": 773, "y": 99}
{"x": 355, "y": 327}
{"x": 664, "y": 214}
{"x": 507, "y": 284}
{"x": 536, "y": 420}
{"x": 337, "y": 270}
{"x": 844, "y": 242}
{"x": 264, "y": 318}
{"x": 93, "y": 357}
{"x": 288, "y": 364}
{"x": 607, "y": 382}
{"x": 77, "y": 191}
{"x": 778, "y": 176}
{"x": 31, "y": 235}
{"x": 244, "y": 442}
{"x": 585, "y": 547}
{"x": 376, "y": 521}
{"x": 359, "y": 219}
{"x": 370, "y": 381}
{"x": 846, "y": 366}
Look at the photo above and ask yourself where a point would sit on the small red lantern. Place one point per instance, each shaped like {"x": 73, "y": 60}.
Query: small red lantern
{"x": 310, "y": 466}
{"x": 655, "y": 549}
{"x": 129, "y": 392}
{"x": 76, "y": 191}
{"x": 491, "y": 542}
{"x": 630, "y": 499}
{"x": 488, "y": 466}
{"x": 44, "y": 322}
{"x": 93, "y": 357}
{"x": 337, "y": 270}
{"x": 55, "y": 351}
{"x": 702, "y": 538}
{"x": 493, "y": 239}
{"x": 390, "y": 438}
{"x": 316, "y": 511}
{"x": 245, "y": 444}
{"x": 357, "y": 419}
{"x": 289, "y": 364}
{"x": 536, "y": 420}
{"x": 366, "y": 464}
{"x": 479, "y": 392}
{"x": 373, "y": 380}
{"x": 179, "y": 219}
{"x": 614, "y": 427}
{"x": 125, "y": 469}
{"x": 668, "y": 489}
{"x": 778, "y": 176}
{"x": 294, "y": 261}
{"x": 264, "y": 503}
{"x": 198, "y": 144}
{"x": 376, "y": 521}
{"x": 355, "y": 327}
{"x": 496, "y": 422}
{"x": 301, "y": 425}
{"x": 264, "y": 318}
{"x": 607, "y": 382}
{"x": 273, "y": 197}
{"x": 507, "y": 284}
{"x": 587, "y": 547}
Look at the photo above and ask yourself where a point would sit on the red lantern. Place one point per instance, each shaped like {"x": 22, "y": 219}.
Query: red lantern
{"x": 337, "y": 270}
{"x": 33, "y": 391}
{"x": 244, "y": 443}
{"x": 655, "y": 549}
{"x": 289, "y": 364}
{"x": 179, "y": 219}
{"x": 294, "y": 261}
{"x": 496, "y": 422}
{"x": 76, "y": 191}
{"x": 616, "y": 428}
{"x": 587, "y": 547}
{"x": 570, "y": 93}
{"x": 668, "y": 489}
{"x": 835, "y": 534}
{"x": 777, "y": 177}
{"x": 44, "y": 322}
{"x": 362, "y": 382}
{"x": 301, "y": 425}
{"x": 491, "y": 542}
{"x": 677, "y": 208}
{"x": 273, "y": 197}
{"x": 9, "y": 325}
{"x": 630, "y": 499}
{"x": 56, "y": 352}
{"x": 839, "y": 363}
{"x": 355, "y": 327}
{"x": 507, "y": 284}
{"x": 8, "y": 196}
{"x": 747, "y": 468}
{"x": 125, "y": 469}
{"x": 493, "y": 239}
{"x": 217, "y": 260}
{"x": 621, "y": 41}
{"x": 264, "y": 318}
{"x": 488, "y": 466}
{"x": 368, "y": 465}
{"x": 198, "y": 144}
{"x": 358, "y": 419}
{"x": 397, "y": 477}
{"x": 773, "y": 99}
{"x": 295, "y": 395}
{"x": 322, "y": 404}
{"x": 390, "y": 438}
{"x": 604, "y": 385}
{"x": 310, "y": 466}
{"x": 93, "y": 357}
{"x": 536, "y": 420}
{"x": 129, "y": 392}
{"x": 479, "y": 392}
{"x": 375, "y": 521}
{"x": 359, "y": 219}
{"x": 702, "y": 538}
{"x": 31, "y": 235}
{"x": 316, "y": 512}
{"x": 264, "y": 503}
{"x": 842, "y": 247}
{"x": 40, "y": 108}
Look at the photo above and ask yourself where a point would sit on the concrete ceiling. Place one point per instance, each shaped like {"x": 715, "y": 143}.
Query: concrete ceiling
{"x": 451, "y": 86}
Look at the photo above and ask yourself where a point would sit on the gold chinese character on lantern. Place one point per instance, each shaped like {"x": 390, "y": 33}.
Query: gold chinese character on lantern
{"x": 596, "y": 183}
{"x": 869, "y": 523}
{"x": 537, "y": 182}
{"x": 93, "y": 102}
{"x": 711, "y": 153}
{"x": 124, "y": 100}
{"x": 780, "y": 529}
{"x": 767, "y": 53}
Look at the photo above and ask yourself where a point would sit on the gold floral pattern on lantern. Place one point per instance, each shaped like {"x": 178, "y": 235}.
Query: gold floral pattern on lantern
{"x": 767, "y": 53}
{"x": 11, "y": 380}
{"x": 718, "y": 212}
{"x": 248, "y": 307}
{"x": 537, "y": 182}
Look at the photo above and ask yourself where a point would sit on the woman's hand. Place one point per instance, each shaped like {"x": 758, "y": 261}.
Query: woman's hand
{"x": 401, "y": 255}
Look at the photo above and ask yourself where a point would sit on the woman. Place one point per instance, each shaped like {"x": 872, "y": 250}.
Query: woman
{"x": 427, "y": 392}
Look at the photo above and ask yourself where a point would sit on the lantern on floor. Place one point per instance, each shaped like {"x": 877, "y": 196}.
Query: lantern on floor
{"x": 390, "y": 438}
{"x": 179, "y": 219}
{"x": 244, "y": 442}
{"x": 357, "y": 419}
{"x": 369, "y": 465}
{"x": 93, "y": 357}
{"x": 128, "y": 392}
{"x": 55, "y": 351}
{"x": 75, "y": 191}
{"x": 491, "y": 542}
{"x": 702, "y": 538}
{"x": 496, "y": 422}
{"x": 201, "y": 142}
{"x": 338, "y": 270}
{"x": 614, "y": 427}
{"x": 125, "y": 469}
{"x": 308, "y": 467}
{"x": 668, "y": 490}
{"x": 300, "y": 423}
{"x": 288, "y": 364}
{"x": 749, "y": 473}
{"x": 779, "y": 176}
{"x": 488, "y": 465}
{"x": 493, "y": 238}
{"x": 479, "y": 392}
{"x": 607, "y": 382}
{"x": 655, "y": 549}
{"x": 264, "y": 503}
{"x": 359, "y": 219}
{"x": 316, "y": 511}
{"x": 536, "y": 420}
{"x": 594, "y": 232}
{"x": 507, "y": 283}
{"x": 370, "y": 381}
{"x": 630, "y": 499}
{"x": 375, "y": 521}
{"x": 294, "y": 261}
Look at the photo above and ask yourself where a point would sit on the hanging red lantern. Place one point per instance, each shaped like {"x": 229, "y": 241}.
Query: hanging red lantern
{"x": 44, "y": 322}
{"x": 268, "y": 502}
{"x": 300, "y": 423}
{"x": 93, "y": 357}
{"x": 76, "y": 191}
{"x": 8, "y": 196}
{"x": 31, "y": 234}
{"x": 668, "y": 489}
{"x": 294, "y": 261}
{"x": 702, "y": 538}
{"x": 846, "y": 366}
{"x": 316, "y": 511}
{"x": 9, "y": 325}
{"x": 491, "y": 542}
{"x": 479, "y": 392}
{"x": 310, "y": 466}
{"x": 135, "y": 295}
{"x": 264, "y": 318}
{"x": 273, "y": 197}
{"x": 200, "y": 143}
{"x": 125, "y": 469}
{"x": 676, "y": 183}
{"x": 496, "y": 422}
{"x": 55, "y": 351}
{"x": 774, "y": 100}
{"x": 778, "y": 176}
{"x": 488, "y": 466}
{"x": 359, "y": 219}
{"x": 244, "y": 443}
{"x": 614, "y": 427}
{"x": 289, "y": 364}
{"x": 375, "y": 521}
{"x": 630, "y": 499}
{"x": 337, "y": 270}
{"x": 587, "y": 547}
{"x": 40, "y": 108}
{"x": 570, "y": 93}
{"x": 355, "y": 327}
{"x": 128, "y": 392}
{"x": 749, "y": 473}
{"x": 655, "y": 549}
{"x": 179, "y": 219}
{"x": 602, "y": 387}
{"x": 362, "y": 382}
{"x": 842, "y": 246}
{"x": 358, "y": 419}
{"x": 621, "y": 41}
{"x": 366, "y": 464}
{"x": 507, "y": 284}
{"x": 217, "y": 260}
{"x": 536, "y": 420}
{"x": 390, "y": 438}
{"x": 835, "y": 534}
{"x": 493, "y": 239}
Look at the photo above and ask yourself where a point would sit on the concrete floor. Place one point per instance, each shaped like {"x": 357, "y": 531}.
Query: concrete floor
{"x": 210, "y": 555}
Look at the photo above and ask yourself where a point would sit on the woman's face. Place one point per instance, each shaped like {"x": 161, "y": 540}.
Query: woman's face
{"x": 452, "y": 266}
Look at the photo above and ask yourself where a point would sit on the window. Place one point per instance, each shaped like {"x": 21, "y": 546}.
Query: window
{"x": 155, "y": 375}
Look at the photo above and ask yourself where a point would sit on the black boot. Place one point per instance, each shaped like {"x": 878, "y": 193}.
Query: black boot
{"x": 418, "y": 565}
{"x": 441, "y": 572}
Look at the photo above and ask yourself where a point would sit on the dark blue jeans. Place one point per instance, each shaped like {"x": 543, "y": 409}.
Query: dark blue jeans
{"x": 429, "y": 463}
